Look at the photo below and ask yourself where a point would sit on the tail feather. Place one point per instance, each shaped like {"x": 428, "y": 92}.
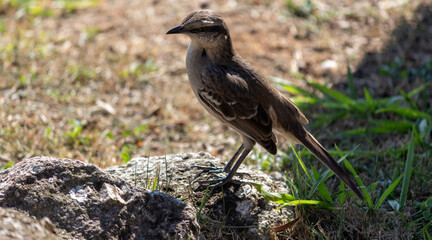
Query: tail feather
{"x": 321, "y": 153}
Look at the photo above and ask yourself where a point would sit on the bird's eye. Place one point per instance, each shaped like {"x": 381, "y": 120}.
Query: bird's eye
{"x": 214, "y": 29}
{"x": 207, "y": 29}
{"x": 200, "y": 29}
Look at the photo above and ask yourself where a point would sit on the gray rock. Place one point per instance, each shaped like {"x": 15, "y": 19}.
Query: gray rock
{"x": 88, "y": 203}
{"x": 17, "y": 225}
{"x": 236, "y": 209}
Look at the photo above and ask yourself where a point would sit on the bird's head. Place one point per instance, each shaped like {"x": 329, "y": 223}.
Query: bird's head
{"x": 205, "y": 27}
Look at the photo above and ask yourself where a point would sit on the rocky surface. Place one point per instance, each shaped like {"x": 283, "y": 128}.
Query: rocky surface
{"x": 86, "y": 203}
{"x": 17, "y": 225}
{"x": 238, "y": 209}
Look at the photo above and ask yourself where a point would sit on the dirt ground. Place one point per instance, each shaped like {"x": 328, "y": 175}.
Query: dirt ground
{"x": 110, "y": 76}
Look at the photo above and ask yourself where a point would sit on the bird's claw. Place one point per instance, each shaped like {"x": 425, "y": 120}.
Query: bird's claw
{"x": 213, "y": 169}
{"x": 219, "y": 182}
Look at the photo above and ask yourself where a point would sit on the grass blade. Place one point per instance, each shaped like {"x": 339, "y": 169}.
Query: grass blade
{"x": 274, "y": 197}
{"x": 302, "y": 164}
{"x": 386, "y": 126}
{"x": 322, "y": 187}
{"x": 426, "y": 234}
{"x": 294, "y": 189}
{"x": 388, "y": 191}
{"x": 332, "y": 94}
{"x": 351, "y": 83}
{"x": 360, "y": 182}
{"x": 308, "y": 202}
{"x": 408, "y": 99}
{"x": 397, "y": 126}
{"x": 407, "y": 171}
{"x": 155, "y": 179}
{"x": 203, "y": 202}
{"x": 371, "y": 103}
{"x": 418, "y": 90}
{"x": 406, "y": 112}
{"x": 290, "y": 88}
{"x": 327, "y": 173}
{"x": 342, "y": 193}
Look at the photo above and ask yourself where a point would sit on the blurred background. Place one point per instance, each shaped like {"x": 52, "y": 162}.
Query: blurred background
{"x": 99, "y": 81}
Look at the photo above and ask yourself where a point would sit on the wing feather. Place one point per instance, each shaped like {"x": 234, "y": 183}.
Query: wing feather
{"x": 229, "y": 96}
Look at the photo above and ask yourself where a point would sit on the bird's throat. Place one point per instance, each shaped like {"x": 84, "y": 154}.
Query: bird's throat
{"x": 218, "y": 51}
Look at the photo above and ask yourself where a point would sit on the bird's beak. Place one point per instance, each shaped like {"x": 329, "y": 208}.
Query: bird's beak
{"x": 178, "y": 29}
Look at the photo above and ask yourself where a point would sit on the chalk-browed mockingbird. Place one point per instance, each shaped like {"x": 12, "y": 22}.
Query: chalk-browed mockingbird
{"x": 234, "y": 92}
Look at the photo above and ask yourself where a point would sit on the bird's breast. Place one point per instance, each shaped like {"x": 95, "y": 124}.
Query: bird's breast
{"x": 196, "y": 63}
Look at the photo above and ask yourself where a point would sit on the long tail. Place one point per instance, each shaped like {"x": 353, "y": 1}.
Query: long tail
{"x": 321, "y": 153}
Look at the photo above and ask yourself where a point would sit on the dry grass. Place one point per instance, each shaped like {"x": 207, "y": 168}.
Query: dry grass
{"x": 111, "y": 71}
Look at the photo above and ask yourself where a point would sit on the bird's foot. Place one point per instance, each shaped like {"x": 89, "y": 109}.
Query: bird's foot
{"x": 219, "y": 182}
{"x": 209, "y": 168}
{"x": 216, "y": 172}
{"x": 213, "y": 169}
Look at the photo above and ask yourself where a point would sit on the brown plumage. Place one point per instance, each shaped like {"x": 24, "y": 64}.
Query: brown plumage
{"x": 234, "y": 92}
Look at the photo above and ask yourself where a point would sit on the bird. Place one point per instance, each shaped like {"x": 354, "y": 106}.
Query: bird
{"x": 237, "y": 94}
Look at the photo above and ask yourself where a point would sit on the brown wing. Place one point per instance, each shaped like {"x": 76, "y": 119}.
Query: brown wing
{"x": 231, "y": 98}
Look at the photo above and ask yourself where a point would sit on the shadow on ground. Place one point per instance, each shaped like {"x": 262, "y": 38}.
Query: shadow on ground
{"x": 404, "y": 63}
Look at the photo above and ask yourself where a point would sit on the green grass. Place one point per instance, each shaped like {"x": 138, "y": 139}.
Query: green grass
{"x": 304, "y": 9}
{"x": 338, "y": 105}
{"x": 7, "y": 165}
{"x": 48, "y": 8}
{"x": 404, "y": 190}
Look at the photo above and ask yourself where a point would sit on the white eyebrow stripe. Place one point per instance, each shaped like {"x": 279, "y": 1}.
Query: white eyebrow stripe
{"x": 208, "y": 21}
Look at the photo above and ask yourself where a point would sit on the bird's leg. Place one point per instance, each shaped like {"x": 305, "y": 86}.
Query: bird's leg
{"x": 213, "y": 169}
{"x": 232, "y": 172}
{"x": 234, "y": 158}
